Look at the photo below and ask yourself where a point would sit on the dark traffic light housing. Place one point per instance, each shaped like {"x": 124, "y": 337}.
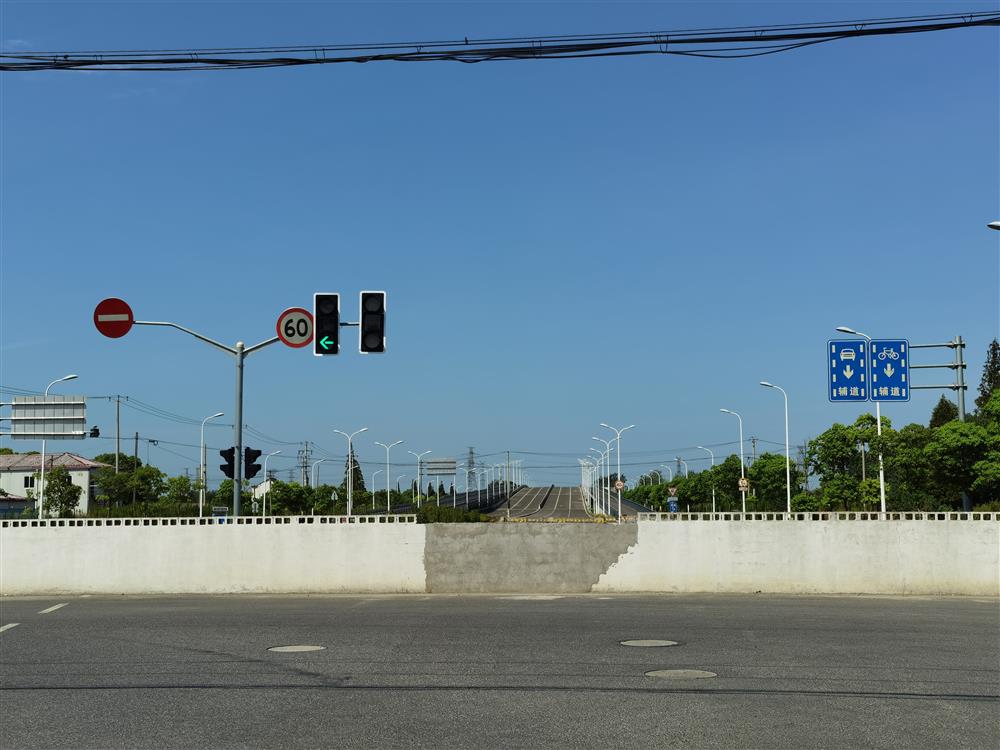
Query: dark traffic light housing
{"x": 372, "y": 326}
{"x": 229, "y": 454}
{"x": 250, "y": 469}
{"x": 326, "y": 320}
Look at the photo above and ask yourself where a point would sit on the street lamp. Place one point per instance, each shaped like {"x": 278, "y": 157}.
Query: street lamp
{"x": 401, "y": 476}
{"x": 671, "y": 478}
{"x": 387, "y": 447}
{"x": 788, "y": 460}
{"x": 743, "y": 493}
{"x": 878, "y": 416}
{"x": 685, "y": 465}
{"x": 602, "y": 500}
{"x": 202, "y": 472}
{"x": 315, "y": 472}
{"x": 712, "y": 455}
{"x": 375, "y": 474}
{"x": 350, "y": 465}
{"x": 41, "y": 479}
{"x": 419, "y": 477}
{"x": 994, "y": 225}
{"x": 618, "y": 449}
{"x": 263, "y": 507}
{"x": 607, "y": 466}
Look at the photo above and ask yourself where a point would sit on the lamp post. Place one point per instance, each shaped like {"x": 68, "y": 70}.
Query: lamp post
{"x": 601, "y": 499}
{"x": 618, "y": 450}
{"x": 263, "y": 506}
{"x": 466, "y": 487}
{"x": 387, "y": 447}
{"x": 788, "y": 460}
{"x": 878, "y": 417}
{"x": 41, "y": 479}
{"x": 375, "y": 474}
{"x": 743, "y": 493}
{"x": 202, "y": 469}
{"x": 712, "y": 455}
{"x": 420, "y": 457}
{"x": 314, "y": 473}
{"x": 994, "y": 225}
{"x": 607, "y": 466}
{"x": 401, "y": 476}
{"x": 671, "y": 477}
{"x": 350, "y": 465}
{"x": 685, "y": 465}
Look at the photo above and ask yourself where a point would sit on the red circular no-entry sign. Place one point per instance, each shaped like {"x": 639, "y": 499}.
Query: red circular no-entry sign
{"x": 113, "y": 317}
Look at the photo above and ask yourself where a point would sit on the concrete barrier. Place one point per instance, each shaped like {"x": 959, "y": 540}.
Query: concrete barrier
{"x": 776, "y": 554}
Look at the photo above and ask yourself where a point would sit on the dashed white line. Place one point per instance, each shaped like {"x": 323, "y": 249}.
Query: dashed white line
{"x": 8, "y": 626}
{"x": 53, "y": 608}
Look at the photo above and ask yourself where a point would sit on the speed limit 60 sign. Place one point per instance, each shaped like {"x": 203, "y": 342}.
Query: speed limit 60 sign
{"x": 295, "y": 327}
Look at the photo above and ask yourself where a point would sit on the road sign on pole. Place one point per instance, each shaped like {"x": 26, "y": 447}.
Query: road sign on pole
{"x": 113, "y": 317}
{"x": 295, "y": 327}
{"x": 889, "y": 364}
{"x": 619, "y": 485}
{"x": 743, "y": 484}
{"x": 848, "y": 365}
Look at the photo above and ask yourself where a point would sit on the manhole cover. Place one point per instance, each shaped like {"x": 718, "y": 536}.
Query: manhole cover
{"x": 295, "y": 649}
{"x": 648, "y": 643}
{"x": 681, "y": 674}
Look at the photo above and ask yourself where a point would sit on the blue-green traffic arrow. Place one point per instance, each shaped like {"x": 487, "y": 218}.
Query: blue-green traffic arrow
{"x": 326, "y": 343}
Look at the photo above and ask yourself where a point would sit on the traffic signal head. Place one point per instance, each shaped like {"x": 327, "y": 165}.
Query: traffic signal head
{"x": 95, "y": 431}
{"x": 372, "y": 327}
{"x": 229, "y": 454}
{"x": 326, "y": 319}
{"x": 250, "y": 469}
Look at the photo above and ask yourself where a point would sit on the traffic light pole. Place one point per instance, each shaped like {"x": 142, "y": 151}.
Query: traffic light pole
{"x": 240, "y": 353}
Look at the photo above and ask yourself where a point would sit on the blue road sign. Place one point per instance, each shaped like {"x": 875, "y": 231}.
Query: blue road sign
{"x": 848, "y": 370}
{"x": 889, "y": 364}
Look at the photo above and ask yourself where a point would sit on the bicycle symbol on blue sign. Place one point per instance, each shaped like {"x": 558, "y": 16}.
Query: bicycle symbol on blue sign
{"x": 890, "y": 370}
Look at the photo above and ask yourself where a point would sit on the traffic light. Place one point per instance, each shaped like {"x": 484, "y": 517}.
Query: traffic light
{"x": 228, "y": 468}
{"x": 250, "y": 469}
{"x": 95, "y": 431}
{"x": 372, "y": 327}
{"x": 326, "y": 320}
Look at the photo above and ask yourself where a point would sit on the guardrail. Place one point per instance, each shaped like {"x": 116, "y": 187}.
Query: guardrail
{"x": 204, "y": 521}
{"x": 820, "y": 516}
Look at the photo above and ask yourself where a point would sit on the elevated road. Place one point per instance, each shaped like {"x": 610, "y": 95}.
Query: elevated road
{"x": 545, "y": 503}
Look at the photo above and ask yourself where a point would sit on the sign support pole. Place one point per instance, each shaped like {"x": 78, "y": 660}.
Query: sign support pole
{"x": 240, "y": 353}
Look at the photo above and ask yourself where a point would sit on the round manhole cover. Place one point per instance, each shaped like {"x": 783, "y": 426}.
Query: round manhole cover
{"x": 680, "y": 674}
{"x": 295, "y": 649}
{"x": 648, "y": 643}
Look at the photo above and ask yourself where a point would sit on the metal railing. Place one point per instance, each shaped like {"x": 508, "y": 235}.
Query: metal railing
{"x": 52, "y": 523}
{"x": 823, "y": 516}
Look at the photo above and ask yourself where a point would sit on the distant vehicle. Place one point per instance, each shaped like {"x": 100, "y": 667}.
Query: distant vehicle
{"x": 846, "y": 354}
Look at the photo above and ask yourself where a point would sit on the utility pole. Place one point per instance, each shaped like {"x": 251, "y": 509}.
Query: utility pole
{"x": 304, "y": 456}
{"x": 135, "y": 463}
{"x": 118, "y": 429}
{"x": 753, "y": 450}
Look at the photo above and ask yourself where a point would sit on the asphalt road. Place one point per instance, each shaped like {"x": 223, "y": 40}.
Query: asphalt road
{"x": 499, "y": 671}
{"x": 540, "y": 503}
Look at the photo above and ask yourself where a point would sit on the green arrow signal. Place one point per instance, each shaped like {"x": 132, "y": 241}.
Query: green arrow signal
{"x": 326, "y": 343}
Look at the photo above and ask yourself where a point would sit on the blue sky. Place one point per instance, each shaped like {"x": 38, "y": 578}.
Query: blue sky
{"x": 563, "y": 242}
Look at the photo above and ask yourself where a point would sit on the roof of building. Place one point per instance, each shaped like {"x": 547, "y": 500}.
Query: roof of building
{"x": 33, "y": 462}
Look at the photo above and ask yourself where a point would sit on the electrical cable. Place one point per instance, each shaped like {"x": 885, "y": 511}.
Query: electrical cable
{"x": 718, "y": 43}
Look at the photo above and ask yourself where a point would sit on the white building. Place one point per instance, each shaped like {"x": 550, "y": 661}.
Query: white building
{"x": 17, "y": 474}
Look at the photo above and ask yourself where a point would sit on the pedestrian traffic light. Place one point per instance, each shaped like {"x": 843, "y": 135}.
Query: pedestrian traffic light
{"x": 372, "y": 327}
{"x": 326, "y": 320}
{"x": 250, "y": 469}
{"x": 228, "y": 468}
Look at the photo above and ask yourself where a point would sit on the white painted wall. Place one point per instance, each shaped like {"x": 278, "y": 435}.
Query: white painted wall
{"x": 812, "y": 557}
{"x": 228, "y": 558}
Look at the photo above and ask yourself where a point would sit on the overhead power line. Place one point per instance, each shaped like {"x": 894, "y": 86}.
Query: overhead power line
{"x": 724, "y": 43}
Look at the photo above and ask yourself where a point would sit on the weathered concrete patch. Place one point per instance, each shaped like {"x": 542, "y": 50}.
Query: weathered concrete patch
{"x": 501, "y": 558}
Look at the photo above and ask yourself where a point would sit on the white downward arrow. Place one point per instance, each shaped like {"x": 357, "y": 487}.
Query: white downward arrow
{"x": 888, "y": 371}
{"x": 848, "y": 372}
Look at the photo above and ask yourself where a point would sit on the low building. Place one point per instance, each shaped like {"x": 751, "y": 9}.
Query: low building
{"x": 18, "y": 474}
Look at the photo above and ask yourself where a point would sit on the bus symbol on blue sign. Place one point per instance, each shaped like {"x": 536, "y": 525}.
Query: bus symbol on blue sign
{"x": 848, "y": 370}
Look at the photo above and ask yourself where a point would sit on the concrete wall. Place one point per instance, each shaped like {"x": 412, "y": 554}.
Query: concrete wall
{"x": 522, "y": 557}
{"x": 227, "y": 558}
{"x": 814, "y": 557}
{"x": 875, "y": 557}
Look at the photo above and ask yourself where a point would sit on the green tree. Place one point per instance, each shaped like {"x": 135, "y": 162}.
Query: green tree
{"x": 767, "y": 476}
{"x": 954, "y": 450}
{"x": 6, "y": 452}
{"x": 986, "y": 482}
{"x": 944, "y": 412}
{"x": 181, "y": 490}
{"x": 113, "y": 490}
{"x": 147, "y": 484}
{"x": 912, "y": 486}
{"x": 353, "y": 468}
{"x": 126, "y": 463}
{"x": 991, "y": 375}
{"x": 61, "y": 496}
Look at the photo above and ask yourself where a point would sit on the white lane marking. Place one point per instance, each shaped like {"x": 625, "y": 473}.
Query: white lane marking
{"x": 115, "y": 318}
{"x": 555, "y": 505}
{"x": 53, "y": 608}
{"x": 8, "y": 626}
